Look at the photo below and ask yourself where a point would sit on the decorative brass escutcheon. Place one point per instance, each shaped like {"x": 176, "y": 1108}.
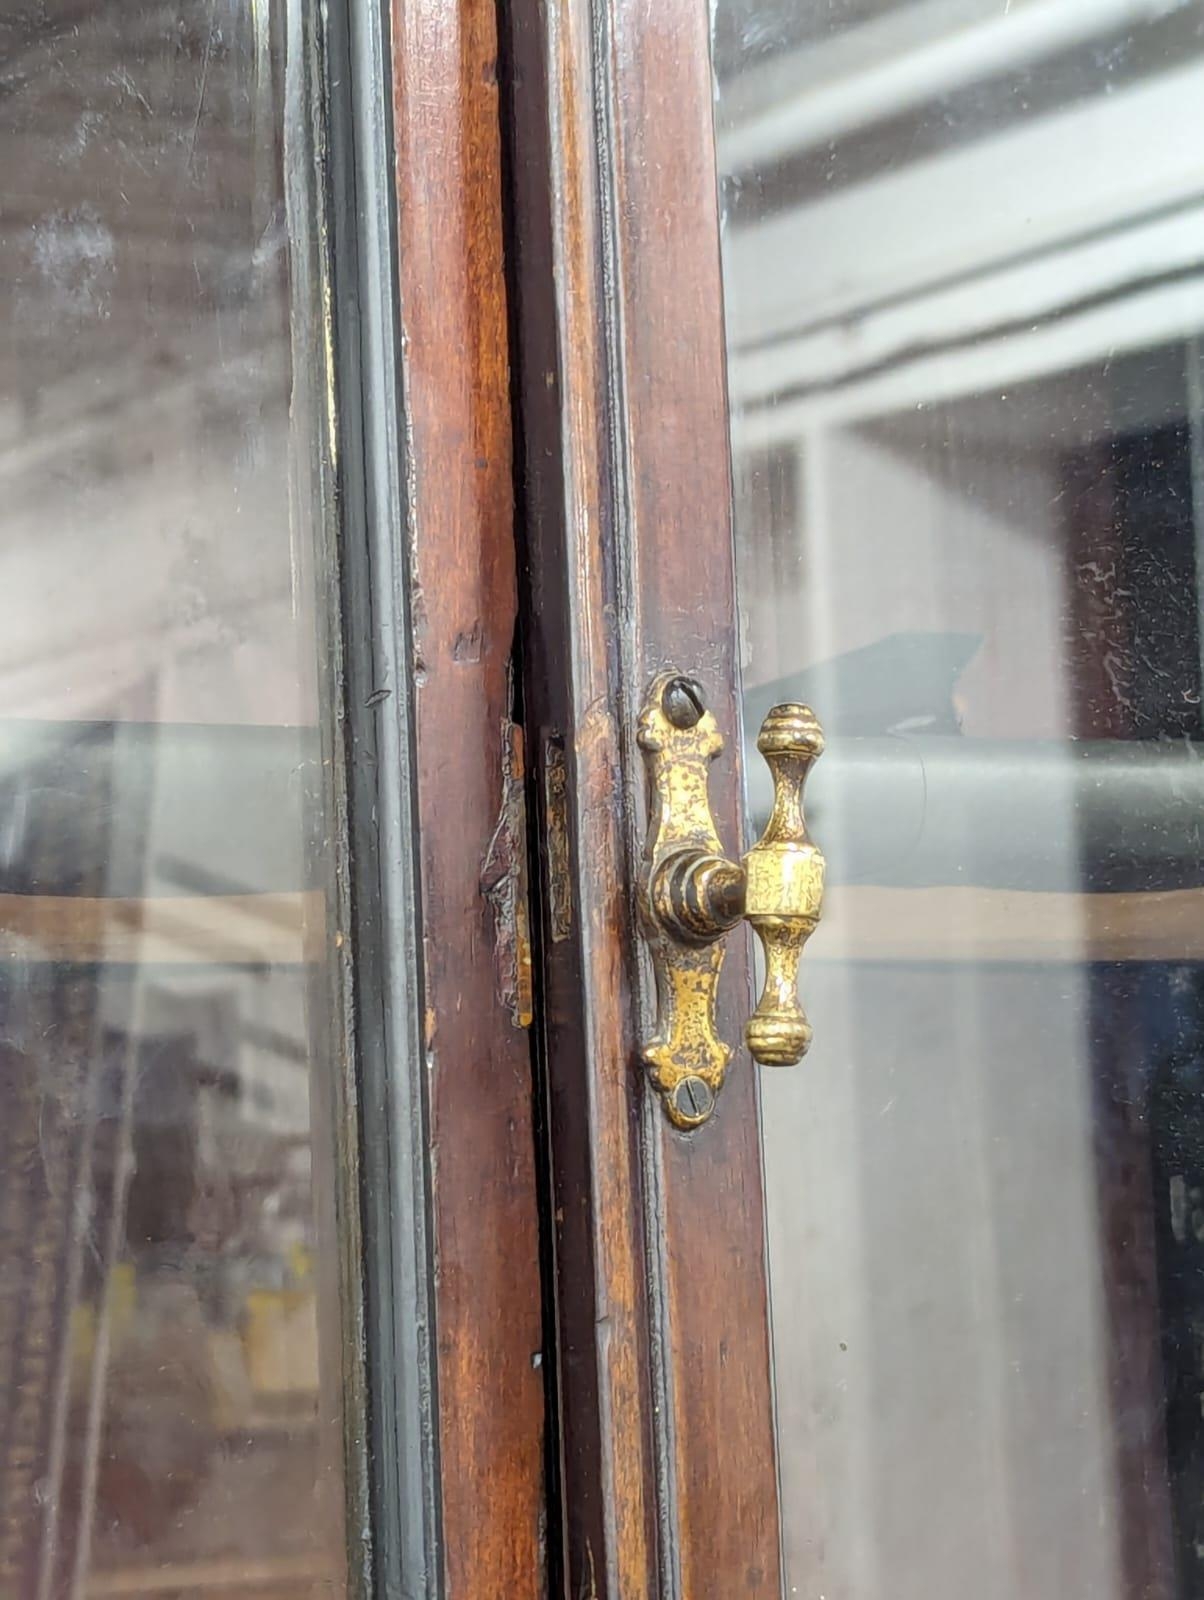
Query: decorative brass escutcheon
{"x": 691, "y": 894}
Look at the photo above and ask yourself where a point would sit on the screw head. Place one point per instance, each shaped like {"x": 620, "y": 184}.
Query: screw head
{"x": 693, "y": 1100}
{"x": 682, "y": 702}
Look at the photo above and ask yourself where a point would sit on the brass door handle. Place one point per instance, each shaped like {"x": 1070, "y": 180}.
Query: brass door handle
{"x": 691, "y": 895}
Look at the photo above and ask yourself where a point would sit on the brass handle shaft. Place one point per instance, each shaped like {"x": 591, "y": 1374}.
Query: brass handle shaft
{"x": 784, "y": 886}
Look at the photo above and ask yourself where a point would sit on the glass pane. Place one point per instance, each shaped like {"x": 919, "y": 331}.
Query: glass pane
{"x": 169, "y": 1395}
{"x": 964, "y": 271}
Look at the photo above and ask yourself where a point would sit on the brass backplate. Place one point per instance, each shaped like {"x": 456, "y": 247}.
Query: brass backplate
{"x": 685, "y": 1057}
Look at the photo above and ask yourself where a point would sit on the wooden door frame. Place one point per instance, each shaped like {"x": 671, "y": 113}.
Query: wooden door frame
{"x": 668, "y": 1477}
{"x": 463, "y": 592}
{"x": 438, "y": 1223}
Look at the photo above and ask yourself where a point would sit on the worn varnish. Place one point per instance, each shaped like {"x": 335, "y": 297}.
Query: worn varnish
{"x": 669, "y": 1481}
{"x": 463, "y": 605}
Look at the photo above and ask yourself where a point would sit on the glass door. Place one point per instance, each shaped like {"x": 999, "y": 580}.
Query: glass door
{"x": 963, "y": 260}
{"x": 171, "y": 1381}
{"x": 264, "y": 965}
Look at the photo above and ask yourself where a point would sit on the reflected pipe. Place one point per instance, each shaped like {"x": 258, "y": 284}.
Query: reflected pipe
{"x": 1092, "y": 815}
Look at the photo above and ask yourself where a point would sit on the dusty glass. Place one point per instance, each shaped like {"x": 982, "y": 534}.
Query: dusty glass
{"x": 169, "y": 1380}
{"x": 964, "y": 274}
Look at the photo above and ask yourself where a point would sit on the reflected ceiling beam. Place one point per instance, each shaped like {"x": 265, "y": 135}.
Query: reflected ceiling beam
{"x": 1072, "y": 176}
{"x": 871, "y": 74}
{"x": 129, "y": 404}
{"x": 1007, "y": 304}
{"x": 1125, "y": 326}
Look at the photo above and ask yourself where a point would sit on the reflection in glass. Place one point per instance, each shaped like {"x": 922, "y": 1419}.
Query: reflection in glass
{"x": 964, "y": 273}
{"x": 168, "y": 1411}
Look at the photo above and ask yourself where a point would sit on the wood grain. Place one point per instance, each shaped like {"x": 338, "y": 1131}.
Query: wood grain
{"x": 227, "y": 930}
{"x": 463, "y": 606}
{"x": 967, "y": 924}
{"x": 294, "y": 1576}
{"x": 670, "y": 1480}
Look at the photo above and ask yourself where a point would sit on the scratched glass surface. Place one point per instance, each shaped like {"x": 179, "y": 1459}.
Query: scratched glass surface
{"x": 964, "y": 274}
{"x": 168, "y": 1394}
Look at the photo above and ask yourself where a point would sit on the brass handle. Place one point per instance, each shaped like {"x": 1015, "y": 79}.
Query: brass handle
{"x": 691, "y": 894}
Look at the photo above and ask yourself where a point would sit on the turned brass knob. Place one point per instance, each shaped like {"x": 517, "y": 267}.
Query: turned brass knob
{"x": 691, "y": 894}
